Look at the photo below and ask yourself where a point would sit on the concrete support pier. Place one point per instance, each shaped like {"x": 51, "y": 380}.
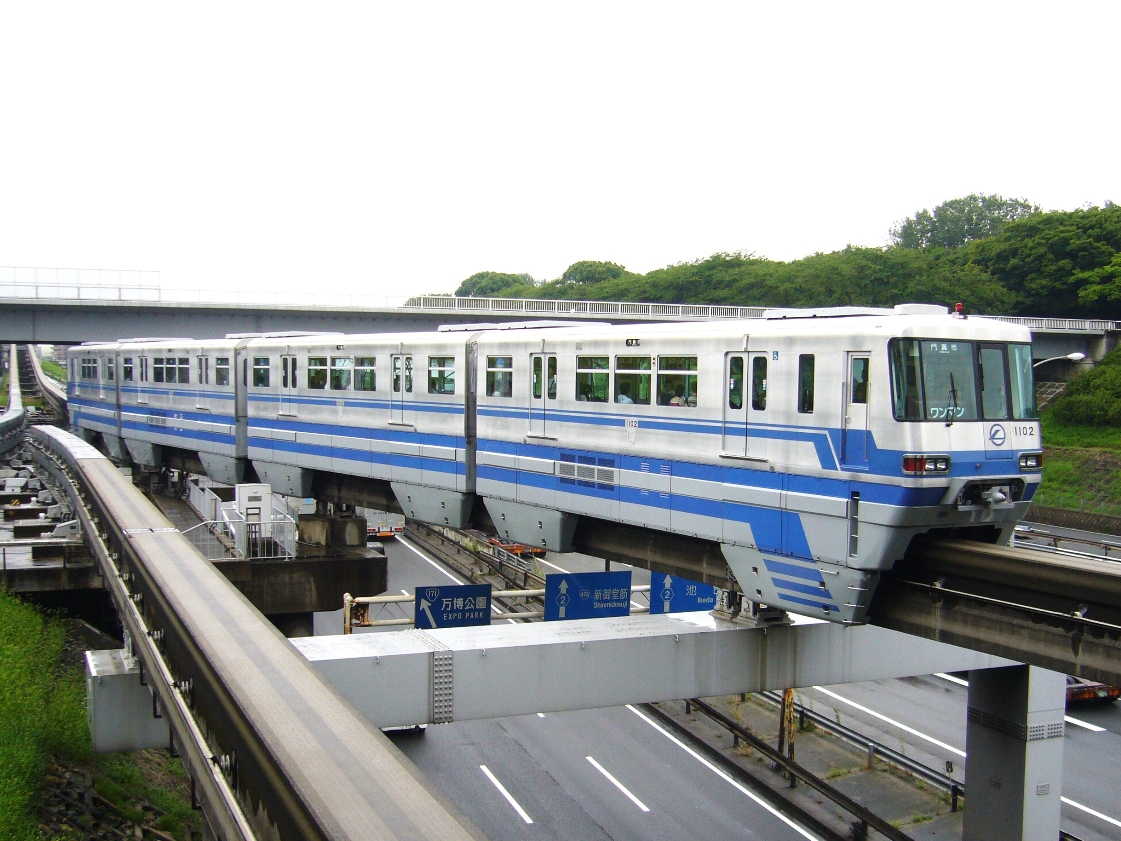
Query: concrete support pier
{"x": 1014, "y": 745}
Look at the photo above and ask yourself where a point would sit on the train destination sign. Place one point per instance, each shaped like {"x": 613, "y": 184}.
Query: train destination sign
{"x": 452, "y": 607}
{"x": 677, "y": 595}
{"x": 587, "y": 595}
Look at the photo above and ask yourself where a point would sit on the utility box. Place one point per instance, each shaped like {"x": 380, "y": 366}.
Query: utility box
{"x": 119, "y": 708}
{"x": 254, "y": 502}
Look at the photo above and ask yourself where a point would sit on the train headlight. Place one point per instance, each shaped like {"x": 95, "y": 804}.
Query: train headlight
{"x": 925, "y": 465}
{"x": 1031, "y": 461}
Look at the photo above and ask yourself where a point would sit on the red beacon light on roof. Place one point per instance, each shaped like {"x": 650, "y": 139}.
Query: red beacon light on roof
{"x": 959, "y": 310}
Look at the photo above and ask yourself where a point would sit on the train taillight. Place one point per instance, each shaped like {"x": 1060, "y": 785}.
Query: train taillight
{"x": 1031, "y": 461}
{"x": 925, "y": 465}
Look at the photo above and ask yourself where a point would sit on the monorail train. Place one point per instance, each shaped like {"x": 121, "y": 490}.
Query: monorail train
{"x": 812, "y": 445}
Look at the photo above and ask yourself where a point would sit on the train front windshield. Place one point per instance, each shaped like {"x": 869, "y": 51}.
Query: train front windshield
{"x": 939, "y": 380}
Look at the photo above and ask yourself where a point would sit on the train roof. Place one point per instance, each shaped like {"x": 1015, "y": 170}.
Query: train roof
{"x": 904, "y": 320}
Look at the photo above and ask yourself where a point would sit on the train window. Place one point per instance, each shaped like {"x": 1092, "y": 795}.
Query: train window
{"x": 184, "y": 369}
{"x": 441, "y": 375}
{"x": 592, "y": 375}
{"x": 759, "y": 383}
{"x": 126, "y": 369}
{"x": 500, "y": 376}
{"x": 538, "y": 376}
{"x": 906, "y": 385}
{"x": 933, "y": 380}
{"x": 632, "y": 379}
{"x": 221, "y": 370}
{"x": 157, "y": 369}
{"x": 735, "y": 382}
{"x": 552, "y": 366}
{"x": 89, "y": 368}
{"x": 317, "y": 372}
{"x": 805, "y": 383}
{"x": 994, "y": 394}
{"x": 204, "y": 370}
{"x": 109, "y": 369}
{"x": 341, "y": 368}
{"x": 403, "y": 376}
{"x": 365, "y": 373}
{"x": 1023, "y": 382}
{"x": 144, "y": 369}
{"x": 261, "y": 371}
{"x": 859, "y": 385}
{"x": 677, "y": 381}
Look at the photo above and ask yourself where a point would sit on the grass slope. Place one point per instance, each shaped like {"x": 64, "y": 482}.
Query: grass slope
{"x": 42, "y": 711}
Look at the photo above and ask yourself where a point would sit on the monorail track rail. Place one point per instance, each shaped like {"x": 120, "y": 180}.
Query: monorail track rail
{"x": 1056, "y": 611}
{"x": 294, "y": 760}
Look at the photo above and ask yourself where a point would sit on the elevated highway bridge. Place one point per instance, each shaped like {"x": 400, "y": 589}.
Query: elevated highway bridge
{"x": 38, "y": 307}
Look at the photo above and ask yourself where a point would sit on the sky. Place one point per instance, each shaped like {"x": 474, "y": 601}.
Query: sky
{"x": 390, "y": 149}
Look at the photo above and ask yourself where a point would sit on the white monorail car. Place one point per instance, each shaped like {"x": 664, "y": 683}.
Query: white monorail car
{"x": 812, "y": 445}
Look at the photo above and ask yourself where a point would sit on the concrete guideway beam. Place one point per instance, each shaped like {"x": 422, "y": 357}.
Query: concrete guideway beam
{"x": 413, "y": 677}
{"x": 1014, "y": 749}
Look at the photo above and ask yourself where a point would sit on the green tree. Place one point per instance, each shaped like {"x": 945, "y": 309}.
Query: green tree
{"x": 593, "y": 271}
{"x": 958, "y": 221}
{"x": 497, "y": 285}
{"x": 1060, "y": 264}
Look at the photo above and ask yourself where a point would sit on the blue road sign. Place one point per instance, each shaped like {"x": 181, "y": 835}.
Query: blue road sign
{"x": 670, "y": 594}
{"x": 452, "y": 607}
{"x": 587, "y": 595}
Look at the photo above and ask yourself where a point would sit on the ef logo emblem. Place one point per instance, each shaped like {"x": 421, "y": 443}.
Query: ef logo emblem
{"x": 997, "y": 435}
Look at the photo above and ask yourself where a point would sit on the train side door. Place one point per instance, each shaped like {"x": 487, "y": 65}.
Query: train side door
{"x": 289, "y": 383}
{"x": 734, "y": 442}
{"x": 854, "y": 429}
{"x": 745, "y": 402}
{"x": 758, "y": 379}
{"x": 202, "y": 380}
{"x": 142, "y": 377}
{"x": 542, "y": 392}
{"x": 401, "y": 389}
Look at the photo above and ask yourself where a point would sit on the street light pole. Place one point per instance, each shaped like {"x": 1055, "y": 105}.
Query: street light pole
{"x": 1077, "y": 356}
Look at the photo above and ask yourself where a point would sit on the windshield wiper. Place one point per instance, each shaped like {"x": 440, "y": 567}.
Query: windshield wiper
{"x": 953, "y": 399}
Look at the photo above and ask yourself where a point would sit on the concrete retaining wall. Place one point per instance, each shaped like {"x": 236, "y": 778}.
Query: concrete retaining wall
{"x": 1065, "y": 518}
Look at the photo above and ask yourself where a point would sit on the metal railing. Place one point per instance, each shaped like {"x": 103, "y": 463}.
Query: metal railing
{"x": 79, "y": 284}
{"x": 543, "y": 306}
{"x": 230, "y": 534}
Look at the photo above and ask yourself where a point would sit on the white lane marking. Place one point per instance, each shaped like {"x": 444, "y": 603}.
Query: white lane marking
{"x": 554, "y": 566}
{"x": 541, "y": 715}
{"x": 891, "y": 721}
{"x": 725, "y": 776}
{"x": 404, "y": 592}
{"x": 618, "y": 784}
{"x": 953, "y": 679}
{"x": 429, "y": 560}
{"x": 1077, "y": 722}
{"x": 1090, "y": 811}
{"x": 509, "y": 799}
